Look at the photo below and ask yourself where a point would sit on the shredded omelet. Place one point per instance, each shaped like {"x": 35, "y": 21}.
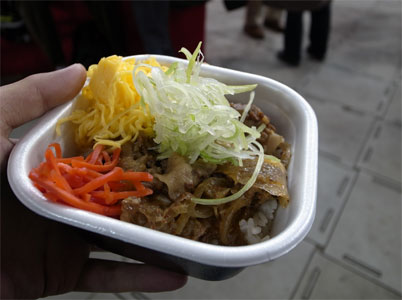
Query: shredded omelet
{"x": 108, "y": 111}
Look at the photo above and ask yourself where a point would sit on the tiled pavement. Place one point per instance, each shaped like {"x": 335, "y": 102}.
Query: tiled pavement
{"x": 354, "y": 248}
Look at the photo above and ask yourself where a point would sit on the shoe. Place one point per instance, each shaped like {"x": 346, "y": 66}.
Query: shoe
{"x": 315, "y": 56}
{"x": 273, "y": 25}
{"x": 254, "y": 31}
{"x": 294, "y": 62}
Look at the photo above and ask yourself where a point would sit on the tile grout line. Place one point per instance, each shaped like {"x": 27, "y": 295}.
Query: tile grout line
{"x": 333, "y": 158}
{"x": 390, "y": 93}
{"x": 330, "y": 156}
{"x": 363, "y": 74}
{"x": 343, "y": 186}
{"x": 384, "y": 180}
{"x": 329, "y": 214}
{"x": 313, "y": 243}
{"x": 362, "y": 265}
{"x": 304, "y": 271}
{"x": 312, "y": 281}
{"x": 341, "y": 105}
{"x": 366, "y": 152}
{"x": 393, "y": 94}
{"x": 379, "y": 121}
{"x": 357, "y": 271}
{"x": 342, "y": 207}
{"x": 366, "y": 142}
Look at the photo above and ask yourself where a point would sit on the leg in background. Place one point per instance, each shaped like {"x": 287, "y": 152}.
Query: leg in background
{"x": 319, "y": 32}
{"x": 251, "y": 26}
{"x": 273, "y": 19}
{"x": 293, "y": 39}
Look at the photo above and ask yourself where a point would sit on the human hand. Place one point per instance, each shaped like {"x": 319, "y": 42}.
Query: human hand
{"x": 40, "y": 257}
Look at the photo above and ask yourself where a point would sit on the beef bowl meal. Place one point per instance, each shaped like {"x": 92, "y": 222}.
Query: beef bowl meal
{"x": 191, "y": 167}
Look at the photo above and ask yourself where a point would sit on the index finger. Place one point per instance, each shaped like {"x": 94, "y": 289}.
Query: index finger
{"x": 31, "y": 97}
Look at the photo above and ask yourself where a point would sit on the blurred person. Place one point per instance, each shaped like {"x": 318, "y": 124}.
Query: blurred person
{"x": 38, "y": 19}
{"x": 41, "y": 257}
{"x": 318, "y": 34}
{"x": 152, "y": 20}
{"x": 187, "y": 23}
{"x": 272, "y": 19}
{"x": 155, "y": 19}
{"x": 99, "y": 36}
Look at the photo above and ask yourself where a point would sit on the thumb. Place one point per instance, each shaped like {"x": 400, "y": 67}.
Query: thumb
{"x": 31, "y": 97}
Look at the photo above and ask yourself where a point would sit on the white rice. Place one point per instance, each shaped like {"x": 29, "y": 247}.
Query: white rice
{"x": 255, "y": 229}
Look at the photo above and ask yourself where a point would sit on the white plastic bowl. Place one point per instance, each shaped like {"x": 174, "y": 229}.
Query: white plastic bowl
{"x": 287, "y": 110}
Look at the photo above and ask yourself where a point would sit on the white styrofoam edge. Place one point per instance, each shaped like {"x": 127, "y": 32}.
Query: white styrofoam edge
{"x": 200, "y": 252}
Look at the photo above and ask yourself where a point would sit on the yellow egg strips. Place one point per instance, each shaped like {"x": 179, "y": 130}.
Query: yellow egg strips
{"x": 108, "y": 110}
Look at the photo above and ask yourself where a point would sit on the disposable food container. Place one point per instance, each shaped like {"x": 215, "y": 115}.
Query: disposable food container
{"x": 288, "y": 111}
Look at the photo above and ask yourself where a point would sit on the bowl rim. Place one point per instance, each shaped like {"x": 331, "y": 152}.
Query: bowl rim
{"x": 216, "y": 255}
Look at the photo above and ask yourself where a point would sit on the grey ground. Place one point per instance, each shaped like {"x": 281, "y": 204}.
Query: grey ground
{"x": 354, "y": 248}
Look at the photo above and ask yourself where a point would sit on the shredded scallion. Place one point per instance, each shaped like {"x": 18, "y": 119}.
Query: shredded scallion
{"x": 194, "y": 119}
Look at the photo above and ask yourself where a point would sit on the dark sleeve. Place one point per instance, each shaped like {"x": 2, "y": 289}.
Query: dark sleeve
{"x": 297, "y": 5}
{"x": 234, "y": 4}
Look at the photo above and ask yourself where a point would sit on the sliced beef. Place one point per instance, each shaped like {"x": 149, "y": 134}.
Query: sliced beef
{"x": 178, "y": 177}
{"x": 272, "y": 177}
{"x": 177, "y": 218}
{"x": 170, "y": 208}
{"x": 272, "y": 142}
